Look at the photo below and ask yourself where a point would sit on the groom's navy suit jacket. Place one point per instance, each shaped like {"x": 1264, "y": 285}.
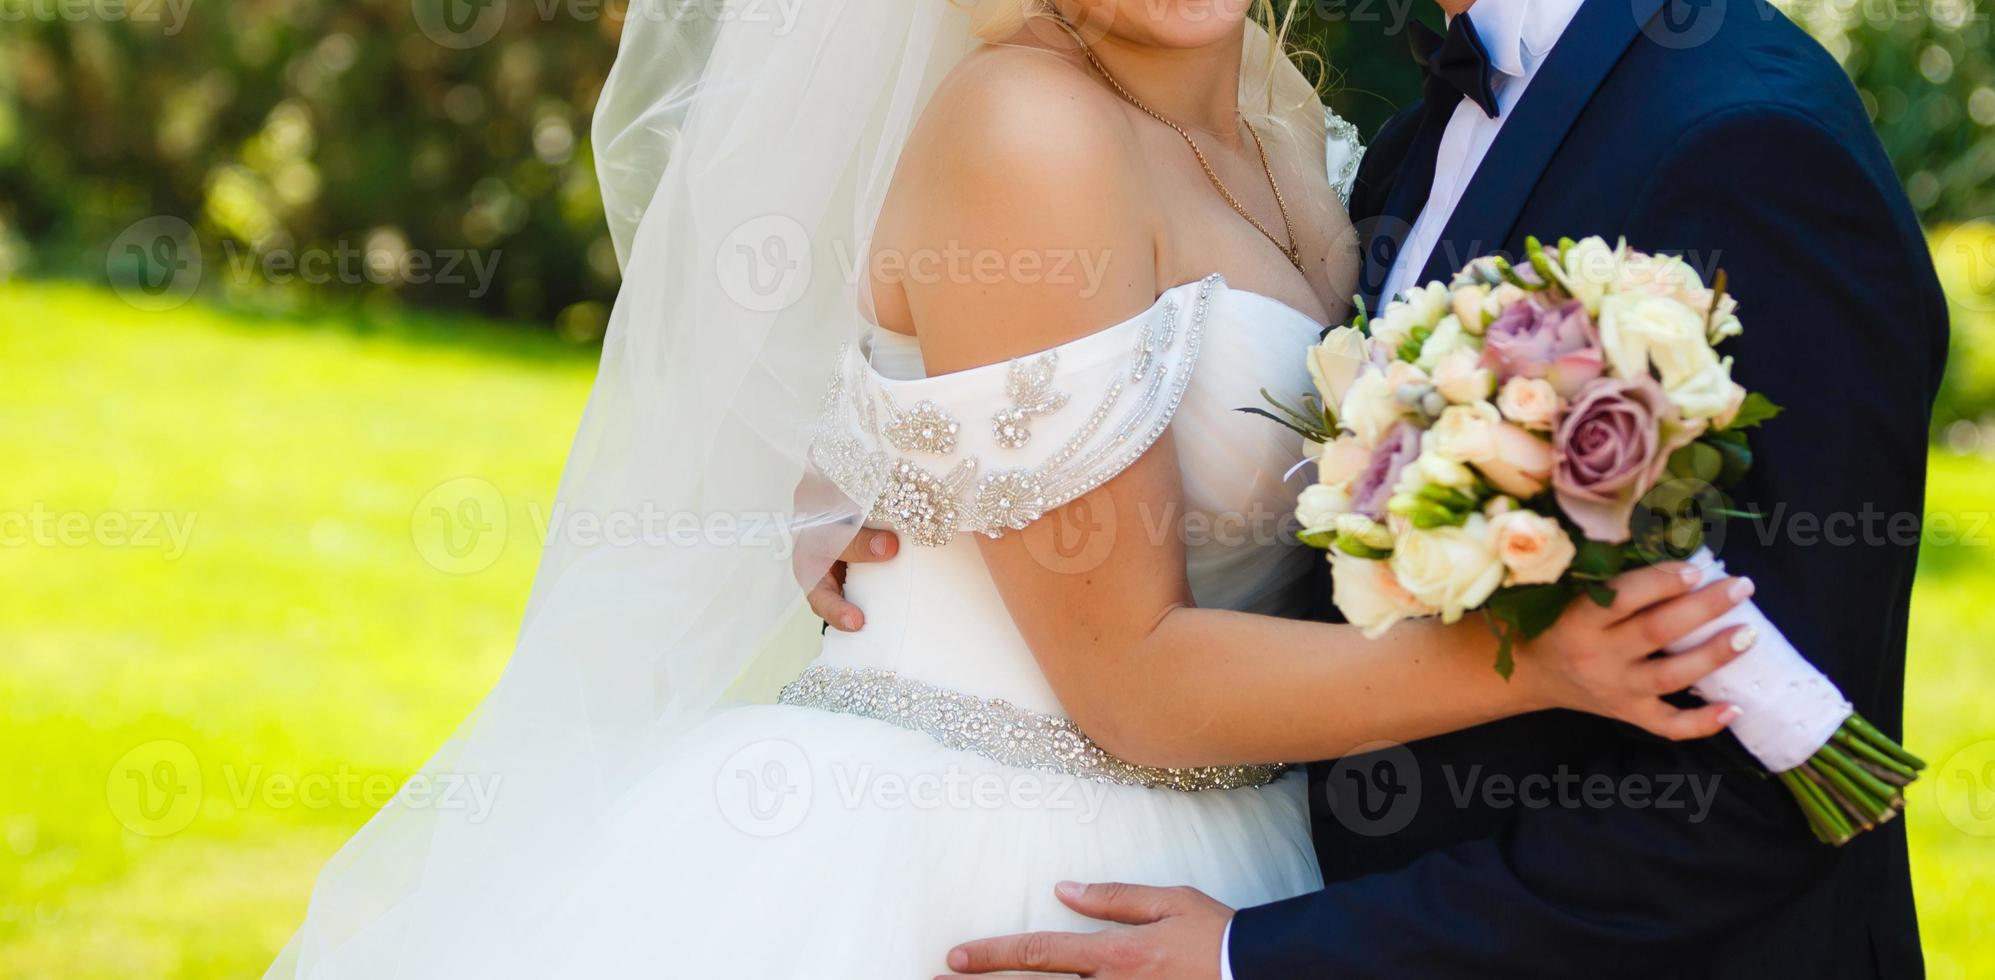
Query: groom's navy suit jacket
{"x": 1724, "y": 133}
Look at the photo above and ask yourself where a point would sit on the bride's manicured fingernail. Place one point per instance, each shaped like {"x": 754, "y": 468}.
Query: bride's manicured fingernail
{"x": 849, "y": 622}
{"x": 879, "y": 546}
{"x": 959, "y": 960}
{"x": 1740, "y": 590}
{"x": 1744, "y": 639}
{"x": 1068, "y": 889}
{"x": 1731, "y": 714}
{"x": 1689, "y": 575}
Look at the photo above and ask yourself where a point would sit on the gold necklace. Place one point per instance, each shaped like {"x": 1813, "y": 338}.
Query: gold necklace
{"x": 1291, "y": 251}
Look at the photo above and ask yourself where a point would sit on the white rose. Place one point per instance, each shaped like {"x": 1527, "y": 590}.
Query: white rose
{"x": 1335, "y": 362}
{"x": 1370, "y": 408}
{"x": 1469, "y": 309}
{"x": 1420, "y": 306}
{"x": 1465, "y": 433}
{"x": 1534, "y": 548}
{"x": 1709, "y": 394}
{"x": 1453, "y": 569}
{"x": 1530, "y": 402}
{"x": 1318, "y": 506}
{"x": 1447, "y": 339}
{"x": 1591, "y": 269}
{"x": 1639, "y": 330}
{"x": 1433, "y": 468}
{"x": 1461, "y": 378}
{"x": 1368, "y": 595}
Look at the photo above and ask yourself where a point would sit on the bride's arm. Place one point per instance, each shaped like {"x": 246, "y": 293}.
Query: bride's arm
{"x": 1023, "y": 162}
{"x": 1158, "y": 681}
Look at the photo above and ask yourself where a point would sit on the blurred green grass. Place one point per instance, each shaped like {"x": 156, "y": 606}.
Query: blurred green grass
{"x": 319, "y": 632}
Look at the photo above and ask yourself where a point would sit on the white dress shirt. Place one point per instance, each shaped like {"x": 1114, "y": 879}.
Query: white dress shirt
{"x": 1518, "y": 34}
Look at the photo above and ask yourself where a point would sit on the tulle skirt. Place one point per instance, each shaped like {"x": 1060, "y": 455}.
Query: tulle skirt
{"x": 778, "y": 842}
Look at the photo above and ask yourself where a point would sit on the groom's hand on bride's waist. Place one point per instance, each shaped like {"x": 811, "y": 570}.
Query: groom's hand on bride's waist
{"x": 1177, "y": 937}
{"x": 827, "y": 597}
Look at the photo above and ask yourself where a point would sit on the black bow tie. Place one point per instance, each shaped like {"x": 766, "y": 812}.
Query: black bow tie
{"x": 1457, "y": 66}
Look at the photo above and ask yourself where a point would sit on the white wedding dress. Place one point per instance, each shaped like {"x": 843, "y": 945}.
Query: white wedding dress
{"x": 919, "y": 785}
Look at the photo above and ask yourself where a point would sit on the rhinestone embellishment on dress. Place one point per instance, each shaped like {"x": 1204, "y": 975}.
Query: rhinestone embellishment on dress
{"x": 998, "y": 730}
{"x": 926, "y": 429}
{"x": 1029, "y": 385}
{"x": 1135, "y": 407}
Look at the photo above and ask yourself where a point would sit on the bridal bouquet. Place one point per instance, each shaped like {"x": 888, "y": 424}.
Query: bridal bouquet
{"x": 1509, "y": 442}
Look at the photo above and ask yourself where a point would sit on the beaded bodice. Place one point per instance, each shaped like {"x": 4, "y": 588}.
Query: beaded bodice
{"x": 989, "y": 450}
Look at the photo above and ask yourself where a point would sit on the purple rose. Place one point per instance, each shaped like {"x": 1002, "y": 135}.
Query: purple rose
{"x": 1530, "y": 341}
{"x": 1373, "y": 486}
{"x": 1611, "y": 449}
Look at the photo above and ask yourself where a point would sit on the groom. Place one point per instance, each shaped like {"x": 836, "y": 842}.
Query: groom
{"x": 1716, "y": 129}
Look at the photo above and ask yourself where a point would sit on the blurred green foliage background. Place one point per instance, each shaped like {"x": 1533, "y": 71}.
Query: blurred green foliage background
{"x": 293, "y": 630}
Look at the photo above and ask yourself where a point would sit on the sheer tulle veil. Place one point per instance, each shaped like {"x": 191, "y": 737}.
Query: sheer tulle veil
{"x": 744, "y": 150}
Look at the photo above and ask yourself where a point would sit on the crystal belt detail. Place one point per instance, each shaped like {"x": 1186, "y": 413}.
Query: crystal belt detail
{"x": 998, "y": 730}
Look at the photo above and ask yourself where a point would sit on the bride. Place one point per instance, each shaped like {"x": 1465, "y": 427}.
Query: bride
{"x": 1042, "y": 253}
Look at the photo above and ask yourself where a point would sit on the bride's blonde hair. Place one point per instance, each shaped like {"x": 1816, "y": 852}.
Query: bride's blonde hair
{"x": 1271, "y": 71}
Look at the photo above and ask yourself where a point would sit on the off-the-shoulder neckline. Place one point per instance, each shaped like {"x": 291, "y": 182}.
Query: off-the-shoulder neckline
{"x": 1095, "y": 340}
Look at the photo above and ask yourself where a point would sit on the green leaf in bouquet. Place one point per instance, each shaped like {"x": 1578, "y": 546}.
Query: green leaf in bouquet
{"x": 1317, "y": 539}
{"x": 1513, "y": 277}
{"x": 1757, "y": 408}
{"x": 1697, "y": 461}
{"x": 1542, "y": 263}
{"x": 1425, "y": 514}
{"x": 1350, "y": 545}
{"x": 1302, "y": 431}
{"x": 1601, "y": 593}
{"x": 1736, "y": 453}
{"x": 1448, "y": 497}
{"x": 1597, "y": 560}
{"x": 1361, "y": 320}
{"x": 1521, "y": 613}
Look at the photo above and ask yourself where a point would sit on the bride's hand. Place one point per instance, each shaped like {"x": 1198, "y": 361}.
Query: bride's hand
{"x": 1598, "y": 659}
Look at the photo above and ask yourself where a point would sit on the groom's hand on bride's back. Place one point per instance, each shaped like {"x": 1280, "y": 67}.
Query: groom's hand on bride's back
{"x": 827, "y": 597}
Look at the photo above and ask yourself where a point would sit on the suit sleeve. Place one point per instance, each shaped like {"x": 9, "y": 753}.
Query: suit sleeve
{"x": 1843, "y": 328}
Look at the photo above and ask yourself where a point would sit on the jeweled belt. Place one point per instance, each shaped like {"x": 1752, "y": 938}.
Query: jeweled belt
{"x": 998, "y": 730}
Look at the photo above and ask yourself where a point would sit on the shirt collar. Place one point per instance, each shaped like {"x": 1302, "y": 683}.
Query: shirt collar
{"x": 1519, "y": 33}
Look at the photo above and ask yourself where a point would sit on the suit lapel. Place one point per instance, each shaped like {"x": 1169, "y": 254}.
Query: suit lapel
{"x": 1581, "y": 60}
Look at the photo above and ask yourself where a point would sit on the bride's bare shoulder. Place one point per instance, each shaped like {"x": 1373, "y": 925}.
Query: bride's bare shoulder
{"x": 1027, "y": 105}
{"x": 1023, "y": 163}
